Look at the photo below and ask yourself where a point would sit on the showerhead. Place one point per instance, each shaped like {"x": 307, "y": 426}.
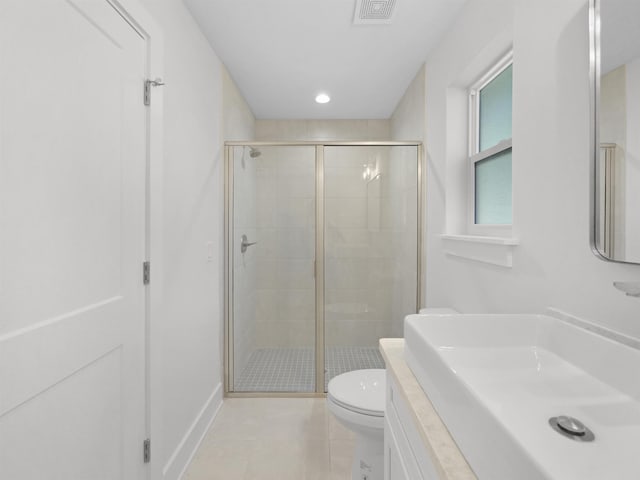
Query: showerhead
{"x": 254, "y": 152}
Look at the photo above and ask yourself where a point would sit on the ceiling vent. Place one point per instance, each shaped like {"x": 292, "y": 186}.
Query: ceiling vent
{"x": 373, "y": 12}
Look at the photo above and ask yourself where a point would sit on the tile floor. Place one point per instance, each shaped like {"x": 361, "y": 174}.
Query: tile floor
{"x": 274, "y": 439}
{"x": 292, "y": 369}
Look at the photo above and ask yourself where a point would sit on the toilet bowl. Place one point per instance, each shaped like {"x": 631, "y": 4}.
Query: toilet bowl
{"x": 357, "y": 400}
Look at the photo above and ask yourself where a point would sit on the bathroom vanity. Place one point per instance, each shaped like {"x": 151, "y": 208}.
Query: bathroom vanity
{"x": 417, "y": 443}
{"x": 504, "y": 396}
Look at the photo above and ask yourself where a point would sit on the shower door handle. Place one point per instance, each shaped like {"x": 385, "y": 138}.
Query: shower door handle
{"x": 244, "y": 244}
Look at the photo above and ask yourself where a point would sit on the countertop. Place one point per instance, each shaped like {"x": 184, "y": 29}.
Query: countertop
{"x": 445, "y": 455}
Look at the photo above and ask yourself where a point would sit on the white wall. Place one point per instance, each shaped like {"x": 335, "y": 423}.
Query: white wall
{"x": 191, "y": 328}
{"x": 553, "y": 265}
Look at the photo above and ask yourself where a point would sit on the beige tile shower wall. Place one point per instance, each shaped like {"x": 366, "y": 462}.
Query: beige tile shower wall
{"x": 404, "y": 213}
{"x": 239, "y": 124}
{"x": 324, "y": 130}
{"x": 358, "y": 246}
{"x": 408, "y": 122}
{"x": 613, "y": 129}
{"x": 245, "y": 265}
{"x": 371, "y": 245}
{"x": 285, "y": 285}
{"x": 357, "y": 309}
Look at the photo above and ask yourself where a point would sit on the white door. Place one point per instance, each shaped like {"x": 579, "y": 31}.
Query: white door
{"x": 72, "y": 242}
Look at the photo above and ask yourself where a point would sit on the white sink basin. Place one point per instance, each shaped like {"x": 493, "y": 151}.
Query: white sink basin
{"x": 495, "y": 380}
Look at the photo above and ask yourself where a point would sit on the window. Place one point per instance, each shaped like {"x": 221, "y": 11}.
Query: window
{"x": 490, "y": 152}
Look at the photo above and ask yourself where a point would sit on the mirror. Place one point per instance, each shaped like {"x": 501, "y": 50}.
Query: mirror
{"x": 615, "y": 57}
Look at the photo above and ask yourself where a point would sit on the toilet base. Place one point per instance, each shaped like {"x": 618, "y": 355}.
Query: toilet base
{"x": 368, "y": 458}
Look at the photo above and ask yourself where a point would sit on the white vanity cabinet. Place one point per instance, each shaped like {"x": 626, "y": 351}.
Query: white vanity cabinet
{"x": 405, "y": 455}
{"x": 417, "y": 445}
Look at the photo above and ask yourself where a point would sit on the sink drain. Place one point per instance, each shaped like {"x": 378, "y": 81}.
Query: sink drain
{"x": 571, "y": 428}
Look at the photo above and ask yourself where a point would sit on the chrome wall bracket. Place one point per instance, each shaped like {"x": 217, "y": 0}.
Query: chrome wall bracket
{"x": 147, "y": 89}
{"x": 244, "y": 243}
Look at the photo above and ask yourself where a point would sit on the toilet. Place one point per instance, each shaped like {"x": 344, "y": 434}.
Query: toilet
{"x": 357, "y": 400}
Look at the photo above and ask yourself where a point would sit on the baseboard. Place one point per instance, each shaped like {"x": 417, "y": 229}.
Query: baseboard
{"x": 181, "y": 457}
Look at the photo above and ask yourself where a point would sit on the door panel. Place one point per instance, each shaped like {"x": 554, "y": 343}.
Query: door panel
{"x": 371, "y": 251}
{"x": 72, "y": 223}
{"x": 65, "y": 433}
{"x": 274, "y": 280}
{"x": 364, "y": 281}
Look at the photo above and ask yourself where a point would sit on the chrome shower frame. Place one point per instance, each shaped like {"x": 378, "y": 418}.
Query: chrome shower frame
{"x": 319, "y": 257}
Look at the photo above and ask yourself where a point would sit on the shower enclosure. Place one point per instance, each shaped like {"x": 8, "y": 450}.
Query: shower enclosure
{"x": 322, "y": 258}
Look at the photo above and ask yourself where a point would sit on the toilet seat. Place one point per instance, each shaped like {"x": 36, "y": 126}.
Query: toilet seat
{"x": 359, "y": 391}
{"x": 354, "y": 409}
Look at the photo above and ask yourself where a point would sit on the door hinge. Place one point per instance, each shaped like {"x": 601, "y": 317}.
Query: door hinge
{"x": 147, "y": 89}
{"x": 146, "y": 273}
{"x": 146, "y": 450}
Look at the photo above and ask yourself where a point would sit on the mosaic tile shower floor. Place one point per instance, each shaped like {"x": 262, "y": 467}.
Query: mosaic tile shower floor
{"x": 292, "y": 369}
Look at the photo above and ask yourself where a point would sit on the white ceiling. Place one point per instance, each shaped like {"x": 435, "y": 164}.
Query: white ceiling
{"x": 281, "y": 53}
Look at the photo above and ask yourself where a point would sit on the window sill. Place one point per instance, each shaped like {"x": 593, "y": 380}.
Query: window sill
{"x": 491, "y": 250}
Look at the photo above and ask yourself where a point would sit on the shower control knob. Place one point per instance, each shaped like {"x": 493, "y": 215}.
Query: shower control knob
{"x": 244, "y": 243}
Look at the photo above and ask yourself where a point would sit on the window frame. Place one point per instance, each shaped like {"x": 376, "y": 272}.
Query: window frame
{"x": 475, "y": 155}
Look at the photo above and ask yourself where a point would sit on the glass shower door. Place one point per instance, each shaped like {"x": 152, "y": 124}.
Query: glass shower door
{"x": 272, "y": 247}
{"x": 371, "y": 251}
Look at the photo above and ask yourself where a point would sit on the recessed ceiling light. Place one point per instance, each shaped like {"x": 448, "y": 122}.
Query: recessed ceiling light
{"x": 323, "y": 98}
